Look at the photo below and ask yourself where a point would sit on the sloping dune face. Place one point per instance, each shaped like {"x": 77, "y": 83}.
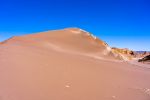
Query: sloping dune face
{"x": 61, "y": 65}
{"x": 71, "y": 39}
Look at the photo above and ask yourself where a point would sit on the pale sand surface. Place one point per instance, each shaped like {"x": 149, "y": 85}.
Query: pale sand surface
{"x": 140, "y": 64}
{"x": 52, "y": 66}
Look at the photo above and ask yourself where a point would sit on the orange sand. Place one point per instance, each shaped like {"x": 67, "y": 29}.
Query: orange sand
{"x": 67, "y": 64}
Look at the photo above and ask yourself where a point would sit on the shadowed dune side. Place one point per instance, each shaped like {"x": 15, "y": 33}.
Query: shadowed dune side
{"x": 146, "y": 59}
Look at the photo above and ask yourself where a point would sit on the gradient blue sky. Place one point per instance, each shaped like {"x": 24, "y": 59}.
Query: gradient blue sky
{"x": 121, "y": 23}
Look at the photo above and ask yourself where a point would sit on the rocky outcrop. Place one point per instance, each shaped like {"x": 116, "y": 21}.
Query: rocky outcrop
{"x": 125, "y": 53}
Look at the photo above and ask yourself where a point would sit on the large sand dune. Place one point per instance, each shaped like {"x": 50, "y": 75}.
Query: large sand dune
{"x": 68, "y": 64}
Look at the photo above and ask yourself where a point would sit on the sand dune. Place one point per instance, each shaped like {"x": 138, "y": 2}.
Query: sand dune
{"x": 69, "y": 64}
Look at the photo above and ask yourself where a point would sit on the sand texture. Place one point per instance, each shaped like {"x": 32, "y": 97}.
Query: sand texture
{"x": 68, "y": 64}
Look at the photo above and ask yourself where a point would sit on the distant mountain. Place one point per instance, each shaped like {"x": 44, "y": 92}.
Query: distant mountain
{"x": 141, "y": 51}
{"x": 142, "y": 54}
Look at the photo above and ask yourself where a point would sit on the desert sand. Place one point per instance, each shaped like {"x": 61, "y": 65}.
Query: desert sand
{"x": 68, "y": 64}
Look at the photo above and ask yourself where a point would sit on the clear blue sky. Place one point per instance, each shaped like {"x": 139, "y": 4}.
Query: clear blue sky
{"x": 121, "y": 23}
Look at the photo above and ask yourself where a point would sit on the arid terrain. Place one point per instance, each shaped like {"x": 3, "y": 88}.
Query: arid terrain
{"x": 69, "y": 64}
